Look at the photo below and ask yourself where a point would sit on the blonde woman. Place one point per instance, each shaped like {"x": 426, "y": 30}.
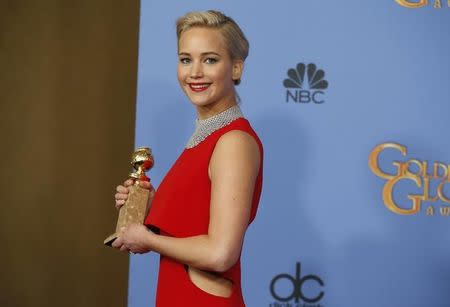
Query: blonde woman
{"x": 201, "y": 210}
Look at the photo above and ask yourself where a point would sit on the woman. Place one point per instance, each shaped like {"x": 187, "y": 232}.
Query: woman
{"x": 202, "y": 208}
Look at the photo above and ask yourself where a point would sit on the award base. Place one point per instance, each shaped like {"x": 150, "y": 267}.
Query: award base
{"x": 109, "y": 240}
{"x": 132, "y": 212}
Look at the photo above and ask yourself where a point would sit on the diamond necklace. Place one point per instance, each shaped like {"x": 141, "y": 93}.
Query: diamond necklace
{"x": 204, "y": 127}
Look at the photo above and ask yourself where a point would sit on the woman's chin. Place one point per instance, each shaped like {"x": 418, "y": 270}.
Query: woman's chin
{"x": 200, "y": 104}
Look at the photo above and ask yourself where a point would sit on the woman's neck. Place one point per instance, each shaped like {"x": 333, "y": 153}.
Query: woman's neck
{"x": 204, "y": 112}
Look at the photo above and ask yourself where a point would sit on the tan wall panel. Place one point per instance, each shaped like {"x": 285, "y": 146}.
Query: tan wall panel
{"x": 67, "y": 103}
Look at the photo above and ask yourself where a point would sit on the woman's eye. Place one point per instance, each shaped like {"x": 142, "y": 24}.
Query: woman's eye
{"x": 210, "y": 60}
{"x": 184, "y": 60}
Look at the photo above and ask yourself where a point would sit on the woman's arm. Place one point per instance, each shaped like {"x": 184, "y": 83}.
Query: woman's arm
{"x": 233, "y": 170}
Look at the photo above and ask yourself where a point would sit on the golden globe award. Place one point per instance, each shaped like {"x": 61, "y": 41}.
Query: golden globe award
{"x": 134, "y": 209}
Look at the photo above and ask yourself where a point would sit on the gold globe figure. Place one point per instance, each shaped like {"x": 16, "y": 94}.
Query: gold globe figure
{"x": 134, "y": 209}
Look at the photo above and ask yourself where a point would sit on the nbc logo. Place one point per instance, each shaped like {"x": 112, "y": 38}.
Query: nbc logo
{"x": 300, "y": 90}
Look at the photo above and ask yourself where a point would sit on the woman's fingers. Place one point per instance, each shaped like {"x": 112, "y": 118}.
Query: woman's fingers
{"x": 122, "y": 189}
{"x": 146, "y": 185}
{"x": 121, "y": 196}
{"x": 128, "y": 182}
{"x": 117, "y": 243}
{"x": 120, "y": 203}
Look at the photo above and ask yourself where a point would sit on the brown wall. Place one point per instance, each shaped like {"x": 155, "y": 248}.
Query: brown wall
{"x": 67, "y": 102}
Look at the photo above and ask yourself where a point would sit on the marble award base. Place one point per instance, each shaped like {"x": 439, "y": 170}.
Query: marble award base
{"x": 132, "y": 212}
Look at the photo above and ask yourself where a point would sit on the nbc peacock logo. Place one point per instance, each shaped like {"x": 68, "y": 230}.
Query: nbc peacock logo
{"x": 304, "y": 91}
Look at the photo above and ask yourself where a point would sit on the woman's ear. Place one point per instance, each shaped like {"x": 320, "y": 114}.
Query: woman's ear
{"x": 238, "y": 67}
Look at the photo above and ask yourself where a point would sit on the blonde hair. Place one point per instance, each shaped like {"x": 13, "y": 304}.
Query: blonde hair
{"x": 235, "y": 40}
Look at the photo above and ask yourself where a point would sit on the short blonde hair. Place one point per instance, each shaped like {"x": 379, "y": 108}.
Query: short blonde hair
{"x": 235, "y": 40}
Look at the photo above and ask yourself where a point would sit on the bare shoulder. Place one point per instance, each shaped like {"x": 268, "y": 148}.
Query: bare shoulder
{"x": 238, "y": 150}
{"x": 238, "y": 141}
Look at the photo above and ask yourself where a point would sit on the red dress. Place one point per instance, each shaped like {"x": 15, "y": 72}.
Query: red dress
{"x": 180, "y": 208}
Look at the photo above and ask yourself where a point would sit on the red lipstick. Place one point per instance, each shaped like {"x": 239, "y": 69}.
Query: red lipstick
{"x": 199, "y": 87}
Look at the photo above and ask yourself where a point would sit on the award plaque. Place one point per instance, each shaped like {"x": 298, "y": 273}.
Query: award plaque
{"x": 134, "y": 209}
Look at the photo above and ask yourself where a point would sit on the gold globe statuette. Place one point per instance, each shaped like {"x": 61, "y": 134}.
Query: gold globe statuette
{"x": 134, "y": 209}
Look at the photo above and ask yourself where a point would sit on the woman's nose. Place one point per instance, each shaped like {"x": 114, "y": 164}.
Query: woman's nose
{"x": 196, "y": 70}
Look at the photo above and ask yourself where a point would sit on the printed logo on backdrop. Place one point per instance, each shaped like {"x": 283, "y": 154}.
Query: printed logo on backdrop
{"x": 305, "y": 91}
{"x": 296, "y": 291}
{"x": 437, "y": 4}
{"x": 431, "y": 179}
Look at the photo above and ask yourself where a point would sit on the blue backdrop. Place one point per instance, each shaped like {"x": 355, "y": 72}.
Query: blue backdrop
{"x": 376, "y": 72}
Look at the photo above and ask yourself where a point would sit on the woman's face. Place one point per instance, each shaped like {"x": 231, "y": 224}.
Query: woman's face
{"x": 205, "y": 69}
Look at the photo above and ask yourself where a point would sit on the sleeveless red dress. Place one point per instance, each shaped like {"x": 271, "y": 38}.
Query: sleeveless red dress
{"x": 180, "y": 208}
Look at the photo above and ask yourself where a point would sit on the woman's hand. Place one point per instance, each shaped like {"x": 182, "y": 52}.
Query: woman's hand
{"x": 134, "y": 238}
{"x": 122, "y": 191}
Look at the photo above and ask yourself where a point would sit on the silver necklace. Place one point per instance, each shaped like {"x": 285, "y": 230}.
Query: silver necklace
{"x": 204, "y": 127}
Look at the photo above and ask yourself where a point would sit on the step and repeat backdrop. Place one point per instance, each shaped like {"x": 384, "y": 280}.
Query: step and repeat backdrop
{"x": 351, "y": 100}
